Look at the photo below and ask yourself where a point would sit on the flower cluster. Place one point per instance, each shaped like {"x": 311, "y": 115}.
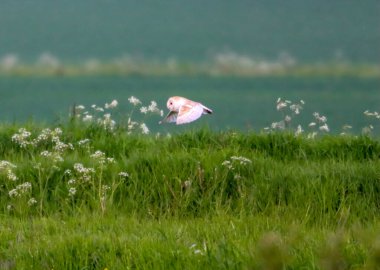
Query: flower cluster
{"x": 123, "y": 174}
{"x": 320, "y": 123}
{"x": 20, "y": 190}
{"x": 134, "y": 101}
{"x": 105, "y": 120}
{"x": 233, "y": 160}
{"x": 101, "y": 158}
{"x": 6, "y": 168}
{"x": 22, "y": 138}
{"x": 368, "y": 129}
{"x": 289, "y": 110}
{"x": 152, "y": 108}
{"x": 372, "y": 114}
{"x": 52, "y": 149}
{"x": 102, "y": 116}
{"x": 78, "y": 176}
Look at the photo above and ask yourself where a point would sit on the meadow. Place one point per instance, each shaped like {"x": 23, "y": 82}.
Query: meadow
{"x": 94, "y": 193}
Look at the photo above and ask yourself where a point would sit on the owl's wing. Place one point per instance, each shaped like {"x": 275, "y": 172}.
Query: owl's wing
{"x": 188, "y": 113}
{"x": 170, "y": 118}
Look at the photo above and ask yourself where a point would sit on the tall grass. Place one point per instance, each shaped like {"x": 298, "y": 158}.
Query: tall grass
{"x": 100, "y": 198}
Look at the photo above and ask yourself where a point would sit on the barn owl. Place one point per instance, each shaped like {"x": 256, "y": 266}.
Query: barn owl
{"x": 183, "y": 110}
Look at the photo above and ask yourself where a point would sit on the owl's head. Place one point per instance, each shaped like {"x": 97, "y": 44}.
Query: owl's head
{"x": 174, "y": 104}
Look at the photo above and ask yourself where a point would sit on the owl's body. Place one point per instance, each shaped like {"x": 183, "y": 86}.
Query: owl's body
{"x": 183, "y": 110}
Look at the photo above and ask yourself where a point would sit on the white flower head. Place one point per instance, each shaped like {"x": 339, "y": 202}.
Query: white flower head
{"x": 133, "y": 100}
{"x": 324, "y": 127}
{"x": 87, "y": 118}
{"x": 112, "y": 105}
{"x": 72, "y": 191}
{"x": 32, "y": 201}
{"x": 80, "y": 107}
{"x": 123, "y": 174}
{"x": 144, "y": 128}
{"x": 281, "y": 105}
{"x": 299, "y": 130}
{"x": 144, "y": 110}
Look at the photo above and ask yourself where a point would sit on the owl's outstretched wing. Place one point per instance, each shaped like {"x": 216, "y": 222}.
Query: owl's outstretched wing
{"x": 170, "y": 118}
{"x": 189, "y": 112}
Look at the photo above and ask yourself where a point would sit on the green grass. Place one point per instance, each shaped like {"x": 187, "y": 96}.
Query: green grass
{"x": 200, "y": 199}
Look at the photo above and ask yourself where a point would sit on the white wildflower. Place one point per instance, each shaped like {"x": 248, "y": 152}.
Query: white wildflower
{"x": 98, "y": 109}
{"x": 107, "y": 122}
{"x": 98, "y": 155}
{"x": 110, "y": 160}
{"x": 153, "y": 107}
{"x": 87, "y": 118}
{"x": 11, "y": 176}
{"x": 57, "y": 131}
{"x": 46, "y": 153}
{"x": 324, "y": 127}
{"x": 287, "y": 118}
{"x": 281, "y": 105}
{"x": 133, "y": 100}
{"x": 319, "y": 118}
{"x": 296, "y": 108}
{"x": 123, "y": 174}
{"x": 312, "y": 135}
{"x": 83, "y": 142}
{"x": 227, "y": 164}
{"x": 112, "y": 105}
{"x": 312, "y": 124}
{"x": 25, "y": 187}
{"x": 299, "y": 130}
{"x": 83, "y": 171}
{"x": 71, "y": 181}
{"x": 20, "y": 189}
{"x": 278, "y": 125}
{"x": 21, "y": 137}
{"x": 80, "y": 108}
{"x": 144, "y": 110}
{"x": 241, "y": 159}
{"x": 131, "y": 124}
{"x": 13, "y": 193}
{"x": 32, "y": 201}
{"x": 144, "y": 128}
{"x": 72, "y": 191}
{"x": 6, "y": 165}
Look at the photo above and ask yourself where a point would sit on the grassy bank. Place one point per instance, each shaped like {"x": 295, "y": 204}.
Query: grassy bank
{"x": 84, "y": 197}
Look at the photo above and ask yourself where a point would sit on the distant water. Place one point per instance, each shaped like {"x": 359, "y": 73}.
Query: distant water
{"x": 73, "y": 31}
{"x": 176, "y": 33}
{"x": 238, "y": 103}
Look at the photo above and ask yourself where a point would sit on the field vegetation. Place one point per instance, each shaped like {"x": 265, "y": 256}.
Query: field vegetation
{"x": 90, "y": 193}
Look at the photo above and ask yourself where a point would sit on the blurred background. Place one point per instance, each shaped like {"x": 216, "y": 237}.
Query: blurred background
{"x": 236, "y": 57}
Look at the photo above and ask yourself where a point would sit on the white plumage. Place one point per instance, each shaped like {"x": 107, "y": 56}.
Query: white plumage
{"x": 183, "y": 110}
